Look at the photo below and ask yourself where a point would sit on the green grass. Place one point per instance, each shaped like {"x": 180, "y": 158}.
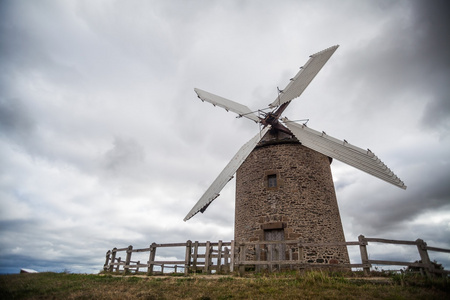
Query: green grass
{"x": 289, "y": 285}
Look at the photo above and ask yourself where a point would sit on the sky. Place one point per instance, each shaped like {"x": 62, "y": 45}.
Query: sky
{"x": 104, "y": 143}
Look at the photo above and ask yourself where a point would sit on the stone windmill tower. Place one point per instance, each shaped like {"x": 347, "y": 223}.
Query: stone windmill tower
{"x": 284, "y": 185}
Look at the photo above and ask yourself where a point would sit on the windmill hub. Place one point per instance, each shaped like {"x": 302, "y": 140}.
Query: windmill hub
{"x": 272, "y": 119}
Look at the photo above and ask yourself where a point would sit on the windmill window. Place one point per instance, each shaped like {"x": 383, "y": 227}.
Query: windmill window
{"x": 272, "y": 180}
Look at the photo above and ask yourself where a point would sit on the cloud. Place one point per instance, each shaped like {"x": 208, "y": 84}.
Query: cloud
{"x": 16, "y": 122}
{"x": 103, "y": 142}
{"x": 125, "y": 156}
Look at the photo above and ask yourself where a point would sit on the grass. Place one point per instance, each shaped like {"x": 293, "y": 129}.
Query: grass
{"x": 289, "y": 285}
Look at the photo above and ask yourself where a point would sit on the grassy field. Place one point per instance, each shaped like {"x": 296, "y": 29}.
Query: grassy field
{"x": 310, "y": 285}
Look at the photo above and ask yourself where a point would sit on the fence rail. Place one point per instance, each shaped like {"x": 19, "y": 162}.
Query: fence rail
{"x": 226, "y": 257}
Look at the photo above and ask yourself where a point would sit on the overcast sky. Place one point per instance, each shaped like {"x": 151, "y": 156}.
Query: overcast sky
{"x": 103, "y": 142}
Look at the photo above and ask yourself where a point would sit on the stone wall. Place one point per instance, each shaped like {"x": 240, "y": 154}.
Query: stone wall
{"x": 301, "y": 205}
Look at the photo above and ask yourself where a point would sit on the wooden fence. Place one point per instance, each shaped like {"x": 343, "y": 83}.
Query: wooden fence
{"x": 225, "y": 257}
{"x": 199, "y": 257}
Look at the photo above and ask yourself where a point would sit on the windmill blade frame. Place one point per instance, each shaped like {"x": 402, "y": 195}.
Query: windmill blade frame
{"x": 361, "y": 159}
{"x": 304, "y": 77}
{"x": 226, "y": 175}
{"x": 228, "y": 105}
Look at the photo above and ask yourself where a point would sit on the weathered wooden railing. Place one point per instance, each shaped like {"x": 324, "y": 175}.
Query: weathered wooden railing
{"x": 262, "y": 254}
{"x": 205, "y": 257}
{"x": 225, "y": 257}
{"x": 424, "y": 263}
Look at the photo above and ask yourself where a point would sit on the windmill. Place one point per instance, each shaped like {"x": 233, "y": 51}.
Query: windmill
{"x": 284, "y": 185}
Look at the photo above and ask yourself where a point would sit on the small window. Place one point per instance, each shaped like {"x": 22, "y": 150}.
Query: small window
{"x": 272, "y": 180}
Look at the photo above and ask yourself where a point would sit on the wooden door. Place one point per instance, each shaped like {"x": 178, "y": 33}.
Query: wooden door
{"x": 278, "y": 250}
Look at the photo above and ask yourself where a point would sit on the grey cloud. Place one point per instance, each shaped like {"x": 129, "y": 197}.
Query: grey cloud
{"x": 125, "y": 155}
{"x": 431, "y": 29}
{"x": 16, "y": 122}
{"x": 431, "y": 26}
{"x": 386, "y": 211}
{"x": 28, "y": 54}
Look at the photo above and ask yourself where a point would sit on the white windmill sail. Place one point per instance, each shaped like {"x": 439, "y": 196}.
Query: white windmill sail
{"x": 226, "y": 175}
{"x": 306, "y": 74}
{"x": 361, "y": 159}
{"x": 241, "y": 110}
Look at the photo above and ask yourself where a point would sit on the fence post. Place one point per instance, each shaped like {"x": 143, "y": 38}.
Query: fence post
{"x": 422, "y": 248}
{"x": 291, "y": 257}
{"x": 137, "y": 267}
{"x": 151, "y": 259}
{"x": 232, "y": 256}
{"x": 226, "y": 259}
{"x": 126, "y": 268}
{"x": 195, "y": 257}
{"x": 300, "y": 255}
{"x": 219, "y": 257}
{"x": 187, "y": 257}
{"x": 207, "y": 257}
{"x": 113, "y": 259}
{"x": 241, "y": 259}
{"x": 364, "y": 255}
{"x": 258, "y": 257}
{"x": 119, "y": 260}
{"x": 105, "y": 266}
{"x": 270, "y": 256}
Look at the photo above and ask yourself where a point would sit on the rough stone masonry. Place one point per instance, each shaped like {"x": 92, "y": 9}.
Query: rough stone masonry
{"x": 285, "y": 191}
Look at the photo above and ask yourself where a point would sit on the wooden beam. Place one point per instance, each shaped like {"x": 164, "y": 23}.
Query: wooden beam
{"x": 364, "y": 256}
{"x": 187, "y": 257}
{"x": 399, "y": 242}
{"x": 207, "y": 258}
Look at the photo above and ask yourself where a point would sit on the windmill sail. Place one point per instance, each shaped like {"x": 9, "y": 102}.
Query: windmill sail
{"x": 361, "y": 159}
{"x": 227, "y": 104}
{"x": 226, "y": 175}
{"x": 307, "y": 73}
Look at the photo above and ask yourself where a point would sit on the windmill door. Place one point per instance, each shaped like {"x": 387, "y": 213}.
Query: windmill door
{"x": 276, "y": 251}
